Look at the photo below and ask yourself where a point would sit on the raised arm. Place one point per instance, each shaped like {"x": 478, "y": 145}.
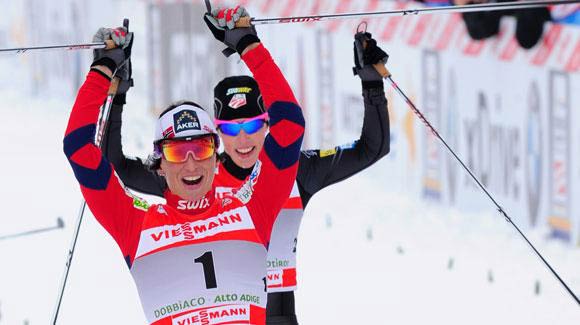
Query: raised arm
{"x": 270, "y": 184}
{"x": 321, "y": 168}
{"x": 279, "y": 157}
{"x": 120, "y": 214}
{"x": 132, "y": 171}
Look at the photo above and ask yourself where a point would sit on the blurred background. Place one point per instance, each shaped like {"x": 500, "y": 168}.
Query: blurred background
{"x": 410, "y": 240}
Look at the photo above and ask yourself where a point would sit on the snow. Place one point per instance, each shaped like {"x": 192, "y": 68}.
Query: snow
{"x": 366, "y": 254}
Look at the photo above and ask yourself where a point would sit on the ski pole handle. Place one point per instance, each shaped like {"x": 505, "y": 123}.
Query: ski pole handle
{"x": 241, "y": 23}
{"x": 244, "y": 22}
{"x": 110, "y": 44}
{"x": 382, "y": 70}
{"x": 380, "y": 67}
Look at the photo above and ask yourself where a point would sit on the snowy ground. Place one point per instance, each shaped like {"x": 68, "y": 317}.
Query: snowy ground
{"x": 366, "y": 256}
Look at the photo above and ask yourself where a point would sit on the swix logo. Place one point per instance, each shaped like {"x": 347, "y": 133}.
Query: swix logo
{"x": 299, "y": 20}
{"x": 189, "y": 205}
{"x": 186, "y": 120}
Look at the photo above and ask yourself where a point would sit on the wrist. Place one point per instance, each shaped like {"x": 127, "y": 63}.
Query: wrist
{"x": 373, "y": 84}
{"x": 106, "y": 65}
{"x": 251, "y": 43}
{"x": 104, "y": 70}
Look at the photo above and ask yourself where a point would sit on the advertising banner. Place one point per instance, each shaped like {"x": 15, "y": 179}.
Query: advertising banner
{"x": 507, "y": 112}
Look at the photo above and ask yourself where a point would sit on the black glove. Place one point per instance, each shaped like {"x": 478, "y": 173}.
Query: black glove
{"x": 124, "y": 73}
{"x": 366, "y": 54}
{"x": 222, "y": 24}
{"x": 113, "y": 58}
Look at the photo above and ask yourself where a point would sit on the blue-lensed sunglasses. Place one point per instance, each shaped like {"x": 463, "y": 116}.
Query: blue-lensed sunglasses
{"x": 250, "y": 126}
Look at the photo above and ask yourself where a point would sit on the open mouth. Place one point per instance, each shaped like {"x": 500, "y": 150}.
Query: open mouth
{"x": 192, "y": 180}
{"x": 245, "y": 151}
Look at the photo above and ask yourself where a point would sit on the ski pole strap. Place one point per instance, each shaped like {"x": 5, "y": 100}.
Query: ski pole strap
{"x": 379, "y": 66}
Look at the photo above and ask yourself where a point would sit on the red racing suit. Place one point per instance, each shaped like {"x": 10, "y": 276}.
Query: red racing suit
{"x": 204, "y": 265}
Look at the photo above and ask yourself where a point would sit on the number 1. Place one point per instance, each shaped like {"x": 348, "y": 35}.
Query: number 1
{"x": 206, "y": 261}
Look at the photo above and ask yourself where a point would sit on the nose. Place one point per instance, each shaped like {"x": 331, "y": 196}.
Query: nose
{"x": 190, "y": 162}
{"x": 243, "y": 136}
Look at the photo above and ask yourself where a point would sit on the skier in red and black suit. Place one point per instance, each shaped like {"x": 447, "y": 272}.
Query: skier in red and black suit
{"x": 238, "y": 109}
{"x": 206, "y": 264}
{"x": 317, "y": 170}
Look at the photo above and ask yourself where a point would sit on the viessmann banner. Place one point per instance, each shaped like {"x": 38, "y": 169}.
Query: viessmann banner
{"x": 511, "y": 114}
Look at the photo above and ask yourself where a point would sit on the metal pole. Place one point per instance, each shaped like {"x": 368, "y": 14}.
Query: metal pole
{"x": 481, "y": 186}
{"x": 59, "y": 225}
{"x": 408, "y": 12}
{"x": 66, "y": 47}
{"x": 101, "y": 125}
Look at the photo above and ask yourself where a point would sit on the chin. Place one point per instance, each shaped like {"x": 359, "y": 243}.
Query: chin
{"x": 193, "y": 196}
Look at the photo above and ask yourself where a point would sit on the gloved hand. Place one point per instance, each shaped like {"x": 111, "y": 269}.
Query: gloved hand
{"x": 113, "y": 58}
{"x": 222, "y": 24}
{"x": 366, "y": 54}
{"x": 124, "y": 73}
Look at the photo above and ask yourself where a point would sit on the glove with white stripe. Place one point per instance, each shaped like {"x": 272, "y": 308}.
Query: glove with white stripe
{"x": 222, "y": 24}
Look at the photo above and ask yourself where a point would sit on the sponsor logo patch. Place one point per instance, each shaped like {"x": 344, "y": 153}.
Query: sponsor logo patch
{"x": 347, "y": 146}
{"x": 239, "y": 90}
{"x": 140, "y": 204}
{"x": 168, "y": 133}
{"x": 245, "y": 192}
{"x": 327, "y": 152}
{"x": 224, "y": 223}
{"x": 186, "y": 120}
{"x": 238, "y": 101}
{"x": 161, "y": 210}
{"x": 227, "y": 201}
{"x": 227, "y": 314}
{"x": 193, "y": 205}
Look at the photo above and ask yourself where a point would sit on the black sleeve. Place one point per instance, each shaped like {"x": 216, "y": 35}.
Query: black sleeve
{"x": 319, "y": 169}
{"x": 132, "y": 171}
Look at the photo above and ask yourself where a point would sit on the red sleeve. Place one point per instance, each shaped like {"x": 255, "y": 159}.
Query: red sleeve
{"x": 275, "y": 173}
{"x": 271, "y": 81}
{"x": 102, "y": 190}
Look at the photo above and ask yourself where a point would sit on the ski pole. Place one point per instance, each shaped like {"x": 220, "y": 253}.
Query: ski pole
{"x": 384, "y": 72}
{"x": 101, "y": 125}
{"x": 59, "y": 225}
{"x": 108, "y": 44}
{"x": 247, "y": 21}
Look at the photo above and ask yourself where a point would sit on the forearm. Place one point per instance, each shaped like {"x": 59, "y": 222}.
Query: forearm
{"x": 132, "y": 171}
{"x": 102, "y": 191}
{"x": 319, "y": 170}
{"x": 273, "y": 84}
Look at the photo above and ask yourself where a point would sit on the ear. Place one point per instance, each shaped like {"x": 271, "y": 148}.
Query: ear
{"x": 160, "y": 172}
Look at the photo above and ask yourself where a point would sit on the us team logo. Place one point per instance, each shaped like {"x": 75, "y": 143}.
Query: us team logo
{"x": 238, "y": 101}
{"x": 186, "y": 120}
